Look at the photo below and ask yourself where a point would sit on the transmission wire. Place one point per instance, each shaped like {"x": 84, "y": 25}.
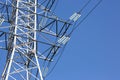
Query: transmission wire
{"x": 74, "y": 29}
{"x": 57, "y": 1}
{"x": 84, "y": 6}
{"x": 61, "y": 53}
{"x": 85, "y": 16}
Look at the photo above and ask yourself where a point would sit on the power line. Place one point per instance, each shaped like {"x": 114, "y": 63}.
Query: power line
{"x": 84, "y": 6}
{"x": 74, "y": 29}
{"x": 61, "y": 53}
{"x": 86, "y": 16}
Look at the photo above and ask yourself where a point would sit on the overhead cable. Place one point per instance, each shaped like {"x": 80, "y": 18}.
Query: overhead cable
{"x": 85, "y": 17}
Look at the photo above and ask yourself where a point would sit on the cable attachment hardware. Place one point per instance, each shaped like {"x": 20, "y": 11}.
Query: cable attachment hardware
{"x": 63, "y": 40}
{"x": 1, "y": 19}
{"x": 75, "y": 17}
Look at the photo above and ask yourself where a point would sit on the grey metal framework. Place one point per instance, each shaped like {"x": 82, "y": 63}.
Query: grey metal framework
{"x": 33, "y": 37}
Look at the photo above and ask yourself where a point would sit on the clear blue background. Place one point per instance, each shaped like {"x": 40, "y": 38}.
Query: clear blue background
{"x": 93, "y": 52}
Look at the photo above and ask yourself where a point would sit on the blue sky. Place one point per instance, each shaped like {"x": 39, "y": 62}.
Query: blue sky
{"x": 93, "y": 52}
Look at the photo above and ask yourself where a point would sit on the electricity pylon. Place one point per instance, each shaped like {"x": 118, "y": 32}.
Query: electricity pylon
{"x": 33, "y": 36}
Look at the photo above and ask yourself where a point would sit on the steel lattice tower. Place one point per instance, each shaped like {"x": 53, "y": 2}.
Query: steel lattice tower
{"x": 33, "y": 37}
